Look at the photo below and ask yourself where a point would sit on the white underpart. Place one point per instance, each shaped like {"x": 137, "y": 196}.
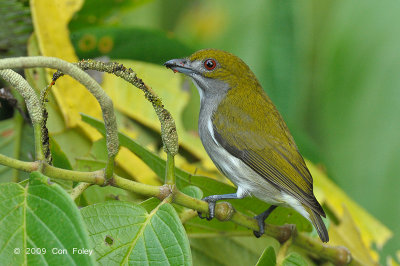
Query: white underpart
{"x": 211, "y": 129}
{"x": 201, "y": 93}
{"x": 295, "y": 204}
{"x": 241, "y": 192}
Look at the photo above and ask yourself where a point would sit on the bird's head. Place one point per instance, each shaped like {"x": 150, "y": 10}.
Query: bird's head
{"x": 213, "y": 71}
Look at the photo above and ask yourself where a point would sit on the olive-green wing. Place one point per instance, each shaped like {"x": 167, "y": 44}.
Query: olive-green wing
{"x": 268, "y": 148}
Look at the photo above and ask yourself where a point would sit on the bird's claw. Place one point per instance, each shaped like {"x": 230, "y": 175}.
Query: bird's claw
{"x": 211, "y": 209}
{"x": 261, "y": 225}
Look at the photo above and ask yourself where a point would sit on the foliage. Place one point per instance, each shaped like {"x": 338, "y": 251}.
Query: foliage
{"x": 127, "y": 233}
{"x": 31, "y": 224}
{"x": 120, "y": 224}
{"x": 16, "y": 26}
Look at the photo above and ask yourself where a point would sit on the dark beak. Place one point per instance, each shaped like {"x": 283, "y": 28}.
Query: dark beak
{"x": 179, "y": 65}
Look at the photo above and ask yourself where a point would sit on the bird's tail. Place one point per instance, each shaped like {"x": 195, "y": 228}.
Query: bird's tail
{"x": 319, "y": 225}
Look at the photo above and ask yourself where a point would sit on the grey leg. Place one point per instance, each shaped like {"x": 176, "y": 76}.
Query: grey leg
{"x": 211, "y": 200}
{"x": 261, "y": 220}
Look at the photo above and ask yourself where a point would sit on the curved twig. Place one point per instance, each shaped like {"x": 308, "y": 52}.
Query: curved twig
{"x": 93, "y": 87}
{"x": 32, "y": 103}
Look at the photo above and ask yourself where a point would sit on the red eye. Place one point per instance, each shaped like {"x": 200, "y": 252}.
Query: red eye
{"x": 210, "y": 64}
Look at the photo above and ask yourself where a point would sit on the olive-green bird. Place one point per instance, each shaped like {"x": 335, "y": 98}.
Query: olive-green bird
{"x": 247, "y": 139}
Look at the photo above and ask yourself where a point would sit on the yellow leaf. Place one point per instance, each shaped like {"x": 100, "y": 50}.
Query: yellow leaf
{"x": 196, "y": 169}
{"x": 50, "y": 21}
{"x": 372, "y": 231}
{"x": 347, "y": 234}
{"x": 136, "y": 167}
{"x": 392, "y": 262}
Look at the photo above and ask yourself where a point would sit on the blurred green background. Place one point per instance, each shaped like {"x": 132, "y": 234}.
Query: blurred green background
{"x": 331, "y": 67}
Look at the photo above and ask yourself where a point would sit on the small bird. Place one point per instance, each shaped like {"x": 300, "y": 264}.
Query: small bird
{"x": 247, "y": 139}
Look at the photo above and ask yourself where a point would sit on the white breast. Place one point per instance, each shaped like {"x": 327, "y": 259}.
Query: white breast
{"x": 247, "y": 181}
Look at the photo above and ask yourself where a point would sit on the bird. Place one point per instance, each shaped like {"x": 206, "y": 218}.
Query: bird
{"x": 247, "y": 139}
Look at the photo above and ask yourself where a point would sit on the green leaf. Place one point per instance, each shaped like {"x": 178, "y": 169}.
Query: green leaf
{"x": 98, "y": 12}
{"x": 229, "y": 250}
{"x": 16, "y": 27}
{"x": 150, "y": 204}
{"x": 99, "y": 150}
{"x": 16, "y": 141}
{"x": 124, "y": 233}
{"x": 152, "y": 46}
{"x": 88, "y": 165}
{"x": 193, "y": 192}
{"x": 40, "y": 218}
{"x": 74, "y": 144}
{"x": 6, "y": 147}
{"x": 294, "y": 259}
{"x": 60, "y": 160}
{"x": 268, "y": 258}
{"x": 96, "y": 194}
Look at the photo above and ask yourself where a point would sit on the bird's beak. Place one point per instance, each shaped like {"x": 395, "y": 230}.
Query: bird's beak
{"x": 180, "y": 65}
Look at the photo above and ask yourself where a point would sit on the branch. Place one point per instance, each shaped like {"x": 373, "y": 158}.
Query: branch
{"x": 78, "y": 190}
{"x": 19, "y": 165}
{"x": 170, "y": 170}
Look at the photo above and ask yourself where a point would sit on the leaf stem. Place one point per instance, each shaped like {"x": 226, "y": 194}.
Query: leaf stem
{"x": 140, "y": 188}
{"x": 95, "y": 177}
{"x": 19, "y": 165}
{"x": 283, "y": 252}
{"x": 37, "y": 131}
{"x": 337, "y": 255}
{"x": 78, "y": 190}
{"x": 170, "y": 170}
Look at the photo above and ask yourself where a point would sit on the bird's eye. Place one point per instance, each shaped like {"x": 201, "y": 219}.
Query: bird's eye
{"x": 210, "y": 64}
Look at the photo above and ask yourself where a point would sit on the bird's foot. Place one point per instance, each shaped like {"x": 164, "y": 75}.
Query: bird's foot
{"x": 261, "y": 220}
{"x": 211, "y": 208}
{"x": 261, "y": 224}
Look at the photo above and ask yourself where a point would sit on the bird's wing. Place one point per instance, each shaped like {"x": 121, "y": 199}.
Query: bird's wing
{"x": 267, "y": 147}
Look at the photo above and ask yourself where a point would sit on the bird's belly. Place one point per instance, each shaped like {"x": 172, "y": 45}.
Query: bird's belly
{"x": 245, "y": 178}
{"x": 247, "y": 181}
